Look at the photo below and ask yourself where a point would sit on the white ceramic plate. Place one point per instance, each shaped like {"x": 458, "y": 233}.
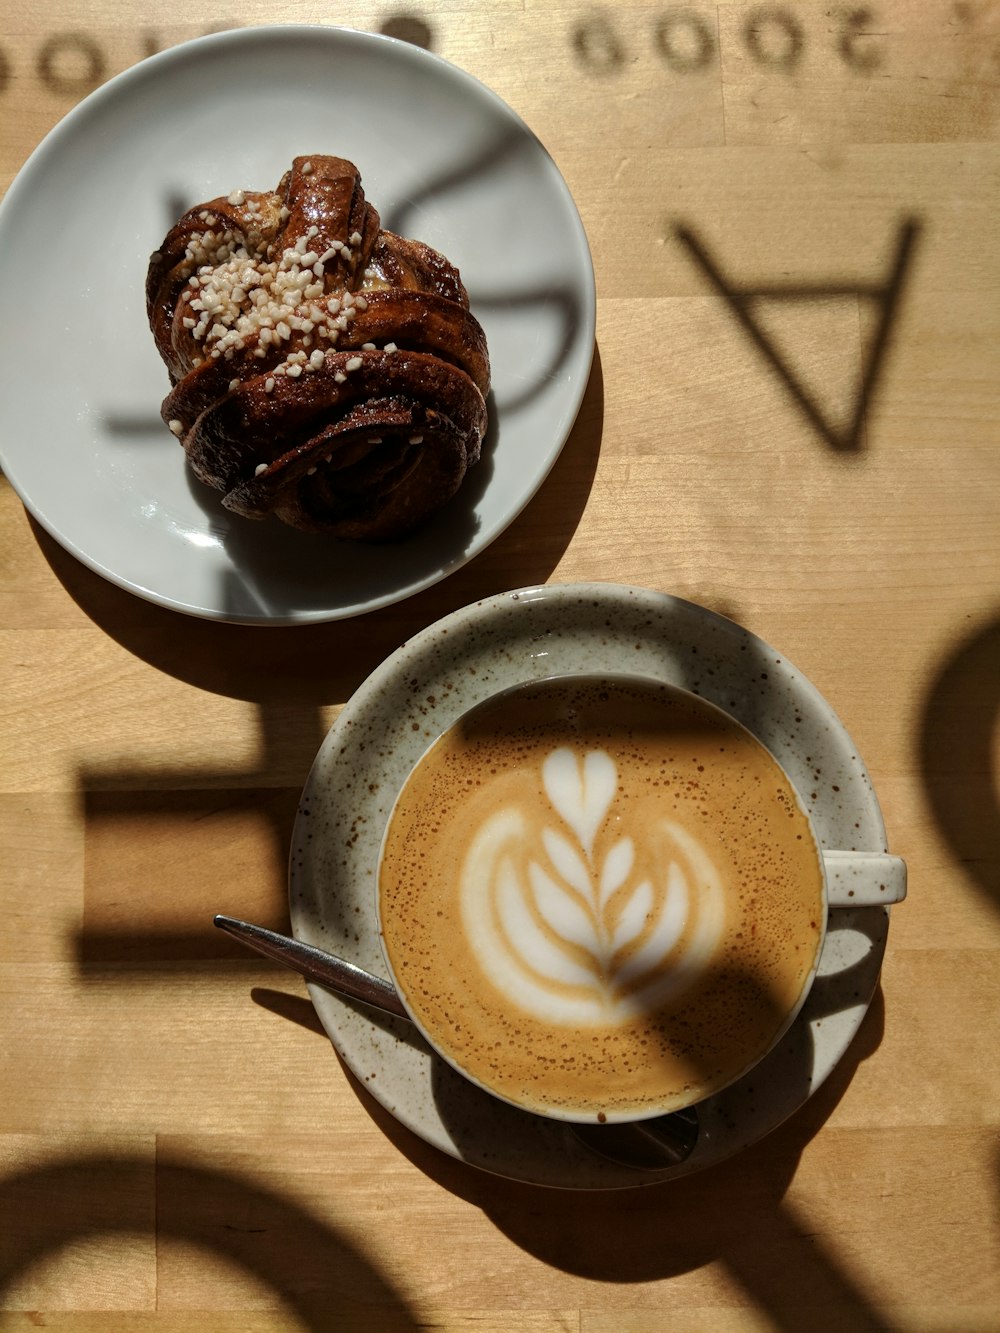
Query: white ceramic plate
{"x": 425, "y": 686}
{"x": 442, "y": 158}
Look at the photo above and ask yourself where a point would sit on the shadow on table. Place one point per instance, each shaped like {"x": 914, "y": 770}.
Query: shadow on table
{"x": 735, "y": 1213}
{"x": 315, "y": 1274}
{"x": 959, "y": 722}
{"x": 743, "y": 300}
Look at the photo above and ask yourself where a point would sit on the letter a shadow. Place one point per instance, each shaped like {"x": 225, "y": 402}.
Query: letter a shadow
{"x": 885, "y": 295}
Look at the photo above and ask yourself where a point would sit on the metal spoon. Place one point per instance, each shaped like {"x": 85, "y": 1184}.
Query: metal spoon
{"x": 645, "y": 1145}
{"x": 316, "y": 965}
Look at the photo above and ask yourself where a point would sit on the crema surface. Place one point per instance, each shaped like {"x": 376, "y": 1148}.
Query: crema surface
{"x": 600, "y": 898}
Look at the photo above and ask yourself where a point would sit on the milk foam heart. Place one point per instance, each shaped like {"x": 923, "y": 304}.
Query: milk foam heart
{"x": 600, "y": 898}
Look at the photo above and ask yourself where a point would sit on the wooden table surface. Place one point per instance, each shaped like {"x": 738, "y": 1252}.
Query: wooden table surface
{"x": 179, "y": 1145}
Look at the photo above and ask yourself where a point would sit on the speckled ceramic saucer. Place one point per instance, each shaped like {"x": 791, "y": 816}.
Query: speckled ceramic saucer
{"x": 425, "y": 686}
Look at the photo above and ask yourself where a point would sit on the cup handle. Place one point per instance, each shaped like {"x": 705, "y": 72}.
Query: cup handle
{"x": 864, "y": 879}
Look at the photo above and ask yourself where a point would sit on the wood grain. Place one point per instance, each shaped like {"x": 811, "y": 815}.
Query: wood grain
{"x": 180, "y": 1148}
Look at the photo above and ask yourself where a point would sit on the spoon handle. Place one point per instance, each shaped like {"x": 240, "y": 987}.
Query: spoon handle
{"x": 315, "y": 965}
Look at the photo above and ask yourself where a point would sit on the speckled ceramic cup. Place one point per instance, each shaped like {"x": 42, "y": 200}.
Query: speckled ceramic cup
{"x": 472, "y": 654}
{"x": 602, "y": 898}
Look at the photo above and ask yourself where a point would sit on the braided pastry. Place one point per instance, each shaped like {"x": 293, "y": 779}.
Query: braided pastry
{"x": 323, "y": 370}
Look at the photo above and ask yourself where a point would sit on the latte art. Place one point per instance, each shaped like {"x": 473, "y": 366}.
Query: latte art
{"x": 600, "y": 898}
{"x": 571, "y": 929}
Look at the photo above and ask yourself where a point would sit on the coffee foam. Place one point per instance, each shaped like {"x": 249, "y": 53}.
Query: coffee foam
{"x": 600, "y": 897}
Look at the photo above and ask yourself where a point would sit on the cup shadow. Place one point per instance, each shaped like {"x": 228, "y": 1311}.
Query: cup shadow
{"x": 734, "y": 1213}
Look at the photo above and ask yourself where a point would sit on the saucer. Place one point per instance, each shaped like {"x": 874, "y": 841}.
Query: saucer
{"x": 425, "y": 686}
{"x": 442, "y": 158}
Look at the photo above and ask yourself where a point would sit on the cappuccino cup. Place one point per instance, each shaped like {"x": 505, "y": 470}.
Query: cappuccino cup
{"x": 601, "y": 898}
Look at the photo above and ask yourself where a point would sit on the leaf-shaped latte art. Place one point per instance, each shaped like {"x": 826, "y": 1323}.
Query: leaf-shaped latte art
{"x": 578, "y": 942}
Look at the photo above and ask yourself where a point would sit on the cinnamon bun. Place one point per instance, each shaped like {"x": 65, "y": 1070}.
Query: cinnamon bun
{"x": 322, "y": 369}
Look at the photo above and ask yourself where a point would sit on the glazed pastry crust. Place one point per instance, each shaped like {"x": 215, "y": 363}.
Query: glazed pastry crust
{"x": 323, "y": 369}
